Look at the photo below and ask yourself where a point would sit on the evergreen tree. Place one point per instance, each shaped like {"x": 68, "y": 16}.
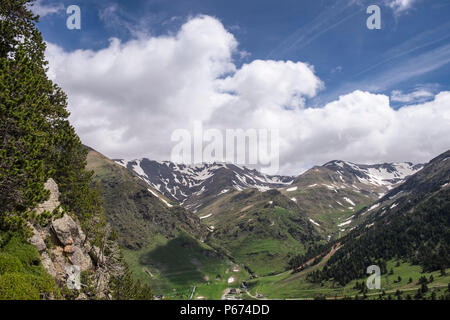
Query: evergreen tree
{"x": 37, "y": 140}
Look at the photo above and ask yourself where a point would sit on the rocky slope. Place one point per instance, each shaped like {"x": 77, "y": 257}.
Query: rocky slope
{"x": 332, "y": 193}
{"x": 196, "y": 185}
{"x": 262, "y": 230}
{"x": 66, "y": 252}
{"x": 411, "y": 222}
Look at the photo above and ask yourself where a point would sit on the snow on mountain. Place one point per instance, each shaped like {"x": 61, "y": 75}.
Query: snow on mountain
{"x": 386, "y": 174}
{"x": 195, "y": 185}
{"x": 180, "y": 182}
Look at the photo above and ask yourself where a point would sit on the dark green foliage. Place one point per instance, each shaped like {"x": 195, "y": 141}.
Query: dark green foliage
{"x": 25, "y": 253}
{"x": 417, "y": 230}
{"x": 22, "y": 275}
{"x": 124, "y": 287}
{"x": 17, "y": 286}
{"x": 37, "y": 139}
{"x": 9, "y": 263}
{"x": 37, "y": 142}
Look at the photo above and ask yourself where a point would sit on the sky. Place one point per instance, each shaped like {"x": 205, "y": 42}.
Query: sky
{"x": 137, "y": 71}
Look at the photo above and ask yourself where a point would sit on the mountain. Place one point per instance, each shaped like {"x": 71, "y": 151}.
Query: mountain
{"x": 329, "y": 194}
{"x": 411, "y": 222}
{"x": 332, "y": 193}
{"x": 261, "y": 230}
{"x": 164, "y": 244}
{"x": 193, "y": 186}
{"x": 135, "y": 211}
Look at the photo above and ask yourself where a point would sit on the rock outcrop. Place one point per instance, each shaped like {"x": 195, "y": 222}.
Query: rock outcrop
{"x": 63, "y": 247}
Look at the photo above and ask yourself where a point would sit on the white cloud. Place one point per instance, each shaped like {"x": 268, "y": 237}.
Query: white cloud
{"x": 39, "y": 8}
{"x": 415, "y": 96}
{"x": 127, "y": 99}
{"x": 400, "y": 6}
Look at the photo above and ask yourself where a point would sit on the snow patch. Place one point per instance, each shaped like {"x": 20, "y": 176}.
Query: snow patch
{"x": 349, "y": 201}
{"x": 345, "y": 223}
{"x": 163, "y": 200}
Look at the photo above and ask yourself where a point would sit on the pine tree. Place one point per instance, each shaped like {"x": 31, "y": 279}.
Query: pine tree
{"x": 37, "y": 139}
{"x": 38, "y": 142}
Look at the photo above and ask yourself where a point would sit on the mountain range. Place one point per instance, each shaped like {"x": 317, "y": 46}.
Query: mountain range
{"x": 229, "y": 224}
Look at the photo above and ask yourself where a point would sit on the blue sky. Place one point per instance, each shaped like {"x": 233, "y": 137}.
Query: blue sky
{"x": 330, "y": 35}
{"x": 312, "y": 69}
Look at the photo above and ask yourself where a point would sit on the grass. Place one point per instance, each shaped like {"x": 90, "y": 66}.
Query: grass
{"x": 22, "y": 276}
{"x": 295, "y": 286}
{"x": 266, "y": 256}
{"x": 174, "y": 267}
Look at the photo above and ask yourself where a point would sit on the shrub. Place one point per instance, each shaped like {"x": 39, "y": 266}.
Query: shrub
{"x": 9, "y": 263}
{"x": 25, "y": 252}
{"x": 17, "y": 286}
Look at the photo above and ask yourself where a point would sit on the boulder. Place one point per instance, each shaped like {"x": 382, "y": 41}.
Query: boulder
{"x": 80, "y": 258}
{"x": 67, "y": 231}
{"x": 96, "y": 255}
{"x": 36, "y": 240}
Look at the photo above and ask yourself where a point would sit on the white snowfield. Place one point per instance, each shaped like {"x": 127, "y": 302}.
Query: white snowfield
{"x": 186, "y": 177}
{"x": 379, "y": 175}
{"x": 163, "y": 200}
{"x": 207, "y": 216}
{"x": 313, "y": 222}
{"x": 345, "y": 223}
{"x": 382, "y": 177}
{"x": 291, "y": 189}
{"x": 349, "y": 201}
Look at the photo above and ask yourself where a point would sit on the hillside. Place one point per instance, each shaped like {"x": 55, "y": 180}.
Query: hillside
{"x": 406, "y": 233}
{"x": 162, "y": 241}
{"x": 411, "y": 222}
{"x": 135, "y": 211}
{"x": 332, "y": 193}
{"x": 260, "y": 229}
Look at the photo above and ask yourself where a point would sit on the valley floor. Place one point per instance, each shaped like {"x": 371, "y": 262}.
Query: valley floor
{"x": 202, "y": 276}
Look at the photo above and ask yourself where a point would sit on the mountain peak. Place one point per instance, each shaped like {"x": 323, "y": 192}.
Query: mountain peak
{"x": 194, "y": 184}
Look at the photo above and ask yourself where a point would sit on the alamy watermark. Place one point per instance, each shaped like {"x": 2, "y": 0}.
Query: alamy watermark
{"x": 250, "y": 147}
{"x": 374, "y": 281}
{"x": 74, "y": 19}
{"x": 73, "y": 277}
{"x": 374, "y": 20}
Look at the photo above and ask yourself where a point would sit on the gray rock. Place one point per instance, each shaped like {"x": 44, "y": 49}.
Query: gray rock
{"x": 67, "y": 231}
{"x": 36, "y": 240}
{"x": 53, "y": 202}
{"x": 48, "y": 264}
{"x": 81, "y": 259}
{"x": 97, "y": 256}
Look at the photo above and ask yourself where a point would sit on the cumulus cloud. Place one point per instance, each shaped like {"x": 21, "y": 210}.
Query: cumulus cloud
{"x": 128, "y": 98}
